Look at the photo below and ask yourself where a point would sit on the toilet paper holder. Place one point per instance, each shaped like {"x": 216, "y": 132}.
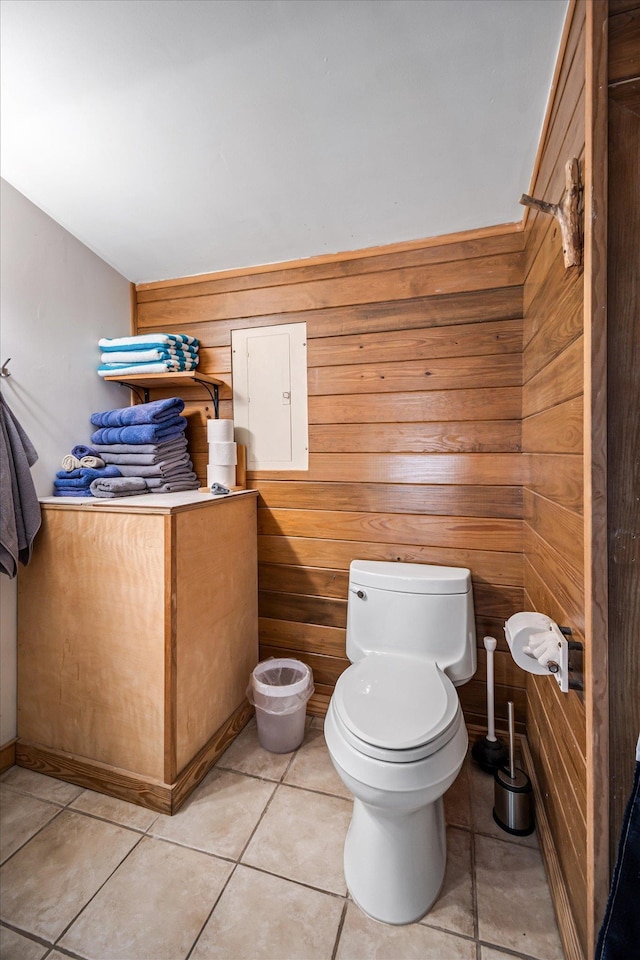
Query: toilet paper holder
{"x": 540, "y": 646}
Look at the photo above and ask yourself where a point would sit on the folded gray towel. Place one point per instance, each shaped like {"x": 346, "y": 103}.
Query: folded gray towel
{"x": 160, "y": 449}
{"x": 164, "y": 469}
{"x": 181, "y": 481}
{"x": 146, "y": 459}
{"x": 174, "y": 486}
{"x": 111, "y": 487}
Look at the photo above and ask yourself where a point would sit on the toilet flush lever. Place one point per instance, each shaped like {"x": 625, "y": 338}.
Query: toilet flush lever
{"x": 360, "y": 594}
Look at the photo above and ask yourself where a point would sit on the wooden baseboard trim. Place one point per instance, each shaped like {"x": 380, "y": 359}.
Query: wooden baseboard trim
{"x": 564, "y": 915}
{"x": 146, "y": 792}
{"x": 8, "y": 754}
{"x": 93, "y": 775}
{"x": 199, "y": 766}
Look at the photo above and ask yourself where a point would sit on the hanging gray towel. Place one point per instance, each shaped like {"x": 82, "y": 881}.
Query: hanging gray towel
{"x": 19, "y": 508}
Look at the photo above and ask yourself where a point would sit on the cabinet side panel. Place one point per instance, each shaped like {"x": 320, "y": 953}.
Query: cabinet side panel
{"x": 217, "y": 618}
{"x": 91, "y": 639}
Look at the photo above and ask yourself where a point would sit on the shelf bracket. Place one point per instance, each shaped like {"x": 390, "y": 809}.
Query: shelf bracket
{"x": 142, "y": 397}
{"x": 214, "y": 393}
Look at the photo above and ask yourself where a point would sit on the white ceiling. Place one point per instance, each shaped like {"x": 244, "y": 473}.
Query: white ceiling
{"x": 176, "y": 137}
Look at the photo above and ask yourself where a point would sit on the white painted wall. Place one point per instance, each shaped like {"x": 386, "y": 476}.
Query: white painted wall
{"x": 58, "y": 298}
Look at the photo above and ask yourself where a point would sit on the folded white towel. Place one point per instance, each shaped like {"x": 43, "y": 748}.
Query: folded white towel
{"x": 148, "y": 356}
{"x": 166, "y": 366}
{"x": 171, "y": 339}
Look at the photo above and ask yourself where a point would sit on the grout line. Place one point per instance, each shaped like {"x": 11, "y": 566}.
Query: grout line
{"x": 474, "y": 888}
{"x": 210, "y": 914}
{"x": 96, "y": 892}
{"x": 298, "y": 883}
{"x": 339, "y": 930}
{"x": 33, "y": 836}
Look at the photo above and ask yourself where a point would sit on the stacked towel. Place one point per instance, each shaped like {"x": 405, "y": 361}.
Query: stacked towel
{"x": 145, "y": 442}
{"x": 77, "y": 483}
{"x": 148, "y": 353}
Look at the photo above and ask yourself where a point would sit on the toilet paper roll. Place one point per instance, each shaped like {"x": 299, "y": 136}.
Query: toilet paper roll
{"x": 219, "y": 431}
{"x": 223, "y": 453}
{"x": 518, "y": 630}
{"x": 226, "y": 475}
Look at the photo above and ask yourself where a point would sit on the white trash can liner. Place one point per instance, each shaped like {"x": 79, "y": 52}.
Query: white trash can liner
{"x": 280, "y": 686}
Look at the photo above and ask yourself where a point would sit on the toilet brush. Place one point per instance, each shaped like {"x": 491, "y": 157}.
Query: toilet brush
{"x": 490, "y": 752}
{"x": 513, "y": 796}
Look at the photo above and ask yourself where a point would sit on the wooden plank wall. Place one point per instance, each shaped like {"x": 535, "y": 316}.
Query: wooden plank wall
{"x": 415, "y": 372}
{"x": 552, "y": 436}
{"x": 623, "y": 430}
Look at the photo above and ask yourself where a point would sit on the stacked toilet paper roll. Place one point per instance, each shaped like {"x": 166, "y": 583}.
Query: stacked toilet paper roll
{"x": 223, "y": 453}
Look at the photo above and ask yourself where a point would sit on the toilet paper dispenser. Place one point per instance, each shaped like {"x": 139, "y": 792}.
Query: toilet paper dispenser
{"x": 540, "y": 646}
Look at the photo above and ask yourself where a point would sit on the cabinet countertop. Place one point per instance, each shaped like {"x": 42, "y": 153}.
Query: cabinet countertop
{"x": 147, "y": 503}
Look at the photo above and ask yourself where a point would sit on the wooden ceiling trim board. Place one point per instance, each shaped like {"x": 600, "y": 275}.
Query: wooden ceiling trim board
{"x": 426, "y": 256}
{"x": 401, "y": 247}
{"x": 554, "y": 95}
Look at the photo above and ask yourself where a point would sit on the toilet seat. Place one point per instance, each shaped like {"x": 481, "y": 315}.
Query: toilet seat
{"x": 396, "y": 708}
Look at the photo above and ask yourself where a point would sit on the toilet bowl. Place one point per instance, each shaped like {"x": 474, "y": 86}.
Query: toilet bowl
{"x": 396, "y": 735}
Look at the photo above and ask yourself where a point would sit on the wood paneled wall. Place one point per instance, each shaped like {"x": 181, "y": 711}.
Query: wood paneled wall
{"x": 415, "y": 397}
{"x": 623, "y": 383}
{"x": 553, "y": 435}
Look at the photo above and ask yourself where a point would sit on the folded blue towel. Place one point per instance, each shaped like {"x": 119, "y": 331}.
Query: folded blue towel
{"x": 158, "y": 411}
{"x": 143, "y": 340}
{"x": 141, "y": 433}
{"x": 85, "y": 474}
{"x": 73, "y": 492}
{"x": 81, "y": 451}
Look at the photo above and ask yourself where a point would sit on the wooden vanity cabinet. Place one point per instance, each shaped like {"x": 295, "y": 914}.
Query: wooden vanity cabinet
{"x": 137, "y": 635}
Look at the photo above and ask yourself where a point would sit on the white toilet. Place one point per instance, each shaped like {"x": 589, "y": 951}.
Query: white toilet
{"x": 395, "y": 731}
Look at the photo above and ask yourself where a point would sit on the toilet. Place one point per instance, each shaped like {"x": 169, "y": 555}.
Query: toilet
{"x": 395, "y": 731}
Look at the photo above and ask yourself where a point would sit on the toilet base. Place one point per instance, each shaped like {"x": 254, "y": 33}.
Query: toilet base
{"x": 394, "y": 862}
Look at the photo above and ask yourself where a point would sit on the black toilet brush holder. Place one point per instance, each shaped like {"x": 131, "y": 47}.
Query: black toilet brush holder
{"x": 490, "y": 752}
{"x": 513, "y": 796}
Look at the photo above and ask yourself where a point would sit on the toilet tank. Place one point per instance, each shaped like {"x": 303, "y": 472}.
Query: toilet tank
{"x": 413, "y": 608}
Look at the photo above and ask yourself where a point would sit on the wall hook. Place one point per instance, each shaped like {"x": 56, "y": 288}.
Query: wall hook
{"x": 5, "y": 372}
{"x": 567, "y": 213}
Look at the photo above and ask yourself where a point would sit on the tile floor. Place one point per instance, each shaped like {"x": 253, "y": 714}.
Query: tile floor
{"x": 250, "y": 868}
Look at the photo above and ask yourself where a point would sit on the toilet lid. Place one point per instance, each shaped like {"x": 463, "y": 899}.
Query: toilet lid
{"x": 394, "y": 703}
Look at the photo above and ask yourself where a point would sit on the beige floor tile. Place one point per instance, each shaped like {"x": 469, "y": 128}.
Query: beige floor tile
{"x": 15, "y": 947}
{"x": 365, "y": 939}
{"x": 261, "y": 917}
{"x": 48, "y": 881}
{"x": 111, "y": 808}
{"x": 312, "y": 768}
{"x": 482, "y": 802}
{"x": 247, "y": 756}
{"x": 21, "y": 816}
{"x": 488, "y": 953}
{"x": 457, "y": 799}
{"x": 153, "y": 906}
{"x": 44, "y": 788}
{"x": 220, "y": 815}
{"x": 301, "y": 837}
{"x": 514, "y": 904}
{"x": 453, "y": 909}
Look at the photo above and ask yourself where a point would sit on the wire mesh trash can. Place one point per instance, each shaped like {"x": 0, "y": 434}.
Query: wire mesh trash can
{"x": 279, "y": 689}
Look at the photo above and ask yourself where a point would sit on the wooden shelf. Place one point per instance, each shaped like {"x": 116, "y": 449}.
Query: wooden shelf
{"x": 172, "y": 381}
